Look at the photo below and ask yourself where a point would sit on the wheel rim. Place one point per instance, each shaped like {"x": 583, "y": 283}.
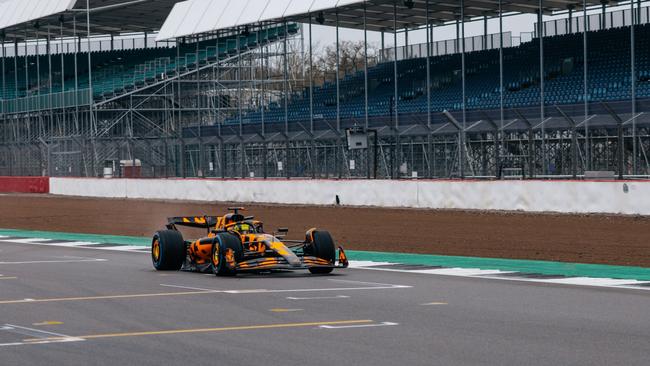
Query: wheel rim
{"x": 215, "y": 256}
{"x": 155, "y": 250}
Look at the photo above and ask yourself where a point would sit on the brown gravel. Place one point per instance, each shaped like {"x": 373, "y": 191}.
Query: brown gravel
{"x": 622, "y": 240}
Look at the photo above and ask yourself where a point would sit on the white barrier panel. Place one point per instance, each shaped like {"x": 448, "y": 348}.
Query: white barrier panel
{"x": 532, "y": 196}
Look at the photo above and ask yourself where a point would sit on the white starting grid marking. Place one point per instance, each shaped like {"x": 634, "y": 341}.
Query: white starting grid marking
{"x": 37, "y": 336}
{"x": 382, "y": 324}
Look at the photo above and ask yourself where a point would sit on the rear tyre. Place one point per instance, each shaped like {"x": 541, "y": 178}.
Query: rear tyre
{"x": 168, "y": 250}
{"x": 225, "y": 244}
{"x": 322, "y": 246}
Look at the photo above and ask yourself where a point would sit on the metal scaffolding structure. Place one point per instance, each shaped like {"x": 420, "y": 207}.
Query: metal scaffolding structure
{"x": 191, "y": 122}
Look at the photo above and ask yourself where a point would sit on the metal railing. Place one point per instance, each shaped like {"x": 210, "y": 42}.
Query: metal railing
{"x": 46, "y": 101}
{"x": 448, "y": 47}
{"x": 595, "y": 22}
{"x": 97, "y": 44}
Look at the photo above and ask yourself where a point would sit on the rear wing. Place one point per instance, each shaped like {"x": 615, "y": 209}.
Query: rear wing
{"x": 201, "y": 222}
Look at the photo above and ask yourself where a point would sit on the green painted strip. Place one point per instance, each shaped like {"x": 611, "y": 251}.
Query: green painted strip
{"x": 515, "y": 265}
{"x": 95, "y": 238}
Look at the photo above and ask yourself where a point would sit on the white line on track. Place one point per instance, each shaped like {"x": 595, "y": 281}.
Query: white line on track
{"x": 263, "y": 291}
{"x": 48, "y": 242}
{"x": 454, "y": 272}
{"x": 318, "y": 297}
{"x": 37, "y": 333}
{"x": 76, "y": 244}
{"x": 58, "y": 261}
{"x": 383, "y": 324}
{"x": 191, "y": 288}
{"x": 125, "y": 248}
{"x": 315, "y": 289}
{"x": 371, "y": 283}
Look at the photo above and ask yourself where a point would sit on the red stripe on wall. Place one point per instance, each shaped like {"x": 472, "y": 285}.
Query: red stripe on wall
{"x": 24, "y": 184}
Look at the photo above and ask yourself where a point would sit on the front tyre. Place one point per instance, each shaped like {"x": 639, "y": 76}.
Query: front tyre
{"x": 168, "y": 250}
{"x": 322, "y": 246}
{"x": 227, "y": 250}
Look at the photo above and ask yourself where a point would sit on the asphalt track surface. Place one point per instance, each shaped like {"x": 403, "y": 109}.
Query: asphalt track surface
{"x": 71, "y": 306}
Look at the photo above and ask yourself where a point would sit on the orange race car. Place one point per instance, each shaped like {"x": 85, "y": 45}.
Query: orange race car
{"x": 238, "y": 243}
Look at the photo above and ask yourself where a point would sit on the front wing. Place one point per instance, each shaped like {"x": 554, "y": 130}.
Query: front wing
{"x": 306, "y": 262}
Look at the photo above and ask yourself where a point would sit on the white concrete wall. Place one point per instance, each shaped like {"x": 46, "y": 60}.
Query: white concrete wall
{"x": 532, "y": 196}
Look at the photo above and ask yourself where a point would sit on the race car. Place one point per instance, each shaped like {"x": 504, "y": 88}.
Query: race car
{"x": 237, "y": 243}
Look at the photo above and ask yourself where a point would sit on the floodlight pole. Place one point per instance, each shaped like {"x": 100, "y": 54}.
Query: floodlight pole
{"x": 263, "y": 60}
{"x": 49, "y": 74}
{"x": 29, "y": 125}
{"x": 585, "y": 80}
{"x": 16, "y": 68}
{"x": 200, "y": 171}
{"x": 76, "y": 74}
{"x": 383, "y": 44}
{"x": 239, "y": 105}
{"x": 338, "y": 76}
{"x": 4, "y": 89}
{"x": 38, "y": 78}
{"x": 540, "y": 34}
{"x": 286, "y": 99}
{"x": 365, "y": 82}
{"x": 22, "y": 165}
{"x": 339, "y": 144}
{"x": 38, "y": 63}
{"x": 91, "y": 120}
{"x": 501, "y": 89}
{"x": 461, "y": 158}
{"x": 485, "y": 32}
{"x": 311, "y": 98}
{"x": 180, "y": 115}
{"x": 61, "y": 54}
{"x": 263, "y": 87}
{"x": 396, "y": 153}
{"x": 428, "y": 85}
{"x": 633, "y": 87}
{"x": 26, "y": 64}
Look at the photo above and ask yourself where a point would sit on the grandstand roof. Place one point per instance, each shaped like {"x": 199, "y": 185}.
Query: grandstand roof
{"x": 107, "y": 16}
{"x": 200, "y": 16}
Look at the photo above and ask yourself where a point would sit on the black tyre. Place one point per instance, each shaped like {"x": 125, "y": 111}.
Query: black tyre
{"x": 322, "y": 246}
{"x": 224, "y": 242}
{"x": 168, "y": 250}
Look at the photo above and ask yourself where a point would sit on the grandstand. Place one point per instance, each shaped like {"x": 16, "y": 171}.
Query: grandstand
{"x": 213, "y": 96}
{"x": 609, "y": 80}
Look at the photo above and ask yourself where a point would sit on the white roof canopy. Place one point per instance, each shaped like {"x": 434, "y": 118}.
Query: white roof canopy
{"x": 226, "y": 14}
{"x": 15, "y": 12}
{"x": 106, "y": 16}
{"x": 193, "y": 17}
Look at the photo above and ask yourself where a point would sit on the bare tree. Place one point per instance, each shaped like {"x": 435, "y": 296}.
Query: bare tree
{"x": 351, "y": 60}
